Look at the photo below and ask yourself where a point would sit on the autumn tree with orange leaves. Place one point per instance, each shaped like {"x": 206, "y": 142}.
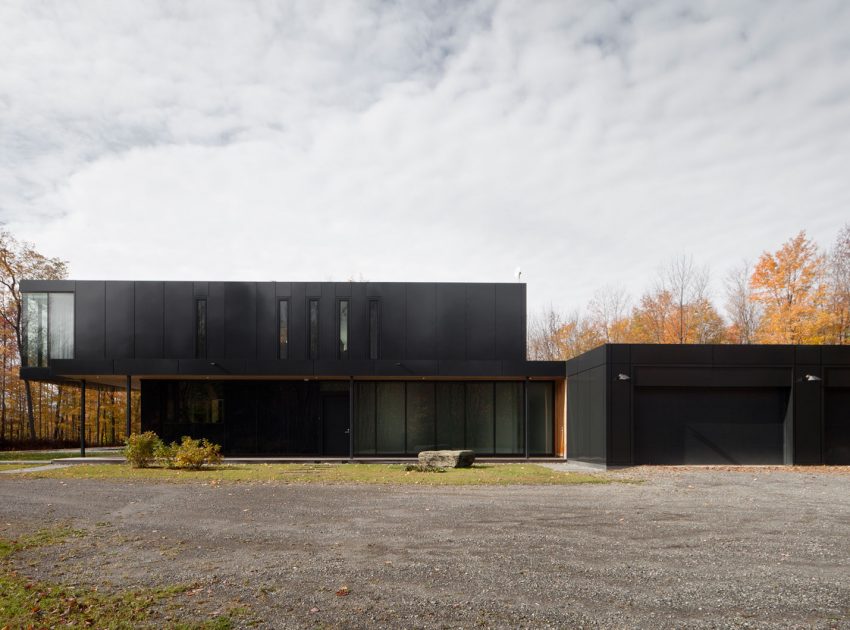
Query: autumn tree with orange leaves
{"x": 790, "y": 285}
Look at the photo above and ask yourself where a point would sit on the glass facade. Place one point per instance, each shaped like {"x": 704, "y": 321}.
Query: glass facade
{"x": 47, "y": 321}
{"x": 394, "y": 418}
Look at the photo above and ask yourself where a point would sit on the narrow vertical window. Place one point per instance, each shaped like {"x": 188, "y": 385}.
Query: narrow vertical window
{"x": 343, "y": 329}
{"x": 374, "y": 327}
{"x": 313, "y": 335}
{"x": 200, "y": 329}
{"x": 283, "y": 328}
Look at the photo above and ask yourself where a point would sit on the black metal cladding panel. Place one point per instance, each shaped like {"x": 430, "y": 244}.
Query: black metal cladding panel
{"x": 469, "y": 368}
{"x": 650, "y": 353}
{"x": 119, "y": 320}
{"x": 267, "y": 321}
{"x": 298, "y": 323}
{"x": 282, "y": 368}
{"x": 215, "y": 320}
{"x": 807, "y": 354}
{"x": 510, "y": 321}
{"x": 344, "y": 368}
{"x": 620, "y": 353}
{"x": 451, "y": 321}
{"x": 836, "y": 406}
{"x": 421, "y": 321}
{"x": 651, "y": 376}
{"x": 144, "y": 367}
{"x": 201, "y": 289}
{"x": 89, "y": 313}
{"x": 148, "y": 320}
{"x": 328, "y": 323}
{"x": 81, "y": 366}
{"x": 753, "y": 355}
{"x": 405, "y": 368}
{"x": 481, "y": 322}
{"x": 240, "y": 320}
{"x": 199, "y": 367}
{"x": 534, "y": 368}
{"x": 587, "y": 411}
{"x": 835, "y": 355}
{"x": 343, "y": 289}
{"x": 313, "y": 289}
{"x": 392, "y": 319}
{"x": 836, "y": 377}
{"x": 42, "y": 286}
{"x": 179, "y": 320}
{"x": 807, "y": 416}
{"x": 588, "y": 360}
{"x": 283, "y": 289}
{"x": 620, "y": 430}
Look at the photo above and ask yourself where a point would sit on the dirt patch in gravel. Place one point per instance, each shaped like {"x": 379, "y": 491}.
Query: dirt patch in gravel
{"x": 701, "y": 547}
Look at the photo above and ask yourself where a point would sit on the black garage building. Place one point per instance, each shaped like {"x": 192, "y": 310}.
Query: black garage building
{"x": 709, "y": 404}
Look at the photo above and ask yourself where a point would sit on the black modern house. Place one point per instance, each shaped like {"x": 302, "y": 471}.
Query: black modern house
{"x": 367, "y": 369}
{"x": 356, "y": 369}
{"x": 632, "y": 404}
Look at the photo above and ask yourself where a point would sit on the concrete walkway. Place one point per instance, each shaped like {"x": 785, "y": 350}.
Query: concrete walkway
{"x": 32, "y": 469}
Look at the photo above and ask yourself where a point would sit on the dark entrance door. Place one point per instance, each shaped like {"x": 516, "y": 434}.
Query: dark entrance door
{"x": 335, "y": 424}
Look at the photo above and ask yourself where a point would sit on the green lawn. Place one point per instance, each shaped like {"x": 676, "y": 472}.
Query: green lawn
{"x": 48, "y": 455}
{"x": 480, "y": 474}
{"x": 25, "y": 603}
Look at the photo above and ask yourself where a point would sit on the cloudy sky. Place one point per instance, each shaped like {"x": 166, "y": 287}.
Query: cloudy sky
{"x": 586, "y": 142}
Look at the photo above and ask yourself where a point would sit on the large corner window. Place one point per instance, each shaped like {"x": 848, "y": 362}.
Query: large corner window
{"x": 343, "y": 329}
{"x": 47, "y": 321}
{"x": 313, "y": 332}
{"x": 374, "y": 328}
{"x": 200, "y": 329}
{"x": 283, "y": 328}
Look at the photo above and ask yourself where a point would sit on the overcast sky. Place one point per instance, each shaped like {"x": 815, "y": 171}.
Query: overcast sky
{"x": 586, "y": 142}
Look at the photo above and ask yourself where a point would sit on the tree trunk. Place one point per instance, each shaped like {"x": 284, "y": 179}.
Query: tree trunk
{"x": 30, "y": 412}
{"x": 57, "y": 418}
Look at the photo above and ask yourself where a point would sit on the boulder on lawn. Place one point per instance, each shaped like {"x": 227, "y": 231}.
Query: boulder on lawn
{"x": 446, "y": 459}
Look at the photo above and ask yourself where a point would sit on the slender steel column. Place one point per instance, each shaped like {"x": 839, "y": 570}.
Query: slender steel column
{"x": 525, "y": 413}
{"x": 351, "y": 418}
{"x": 82, "y": 418}
{"x": 129, "y": 411}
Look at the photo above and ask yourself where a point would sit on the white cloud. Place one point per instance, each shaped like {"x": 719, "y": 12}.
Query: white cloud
{"x": 586, "y": 142}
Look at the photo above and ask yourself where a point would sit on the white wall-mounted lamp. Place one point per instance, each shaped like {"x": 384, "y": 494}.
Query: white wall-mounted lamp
{"x": 812, "y": 378}
{"x": 623, "y": 377}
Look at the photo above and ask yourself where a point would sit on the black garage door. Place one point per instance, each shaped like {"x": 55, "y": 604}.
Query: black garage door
{"x": 837, "y": 426}
{"x": 709, "y": 425}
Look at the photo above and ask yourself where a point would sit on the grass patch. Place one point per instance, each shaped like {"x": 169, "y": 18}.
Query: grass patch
{"x": 48, "y": 455}
{"x": 26, "y": 603}
{"x": 480, "y": 474}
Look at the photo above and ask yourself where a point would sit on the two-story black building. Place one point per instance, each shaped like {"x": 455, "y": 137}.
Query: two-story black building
{"x": 307, "y": 368}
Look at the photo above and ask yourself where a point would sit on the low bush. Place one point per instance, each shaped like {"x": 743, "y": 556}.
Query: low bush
{"x": 140, "y": 449}
{"x": 194, "y": 454}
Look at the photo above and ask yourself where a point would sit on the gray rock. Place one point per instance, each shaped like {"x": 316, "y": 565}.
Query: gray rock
{"x": 447, "y": 459}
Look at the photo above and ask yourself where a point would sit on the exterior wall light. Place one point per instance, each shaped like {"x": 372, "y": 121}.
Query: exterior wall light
{"x": 623, "y": 377}
{"x": 812, "y": 378}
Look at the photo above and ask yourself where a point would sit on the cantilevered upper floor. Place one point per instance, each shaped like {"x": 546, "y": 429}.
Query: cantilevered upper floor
{"x": 243, "y": 329}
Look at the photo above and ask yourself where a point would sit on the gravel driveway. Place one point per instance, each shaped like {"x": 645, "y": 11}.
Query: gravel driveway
{"x": 695, "y": 548}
